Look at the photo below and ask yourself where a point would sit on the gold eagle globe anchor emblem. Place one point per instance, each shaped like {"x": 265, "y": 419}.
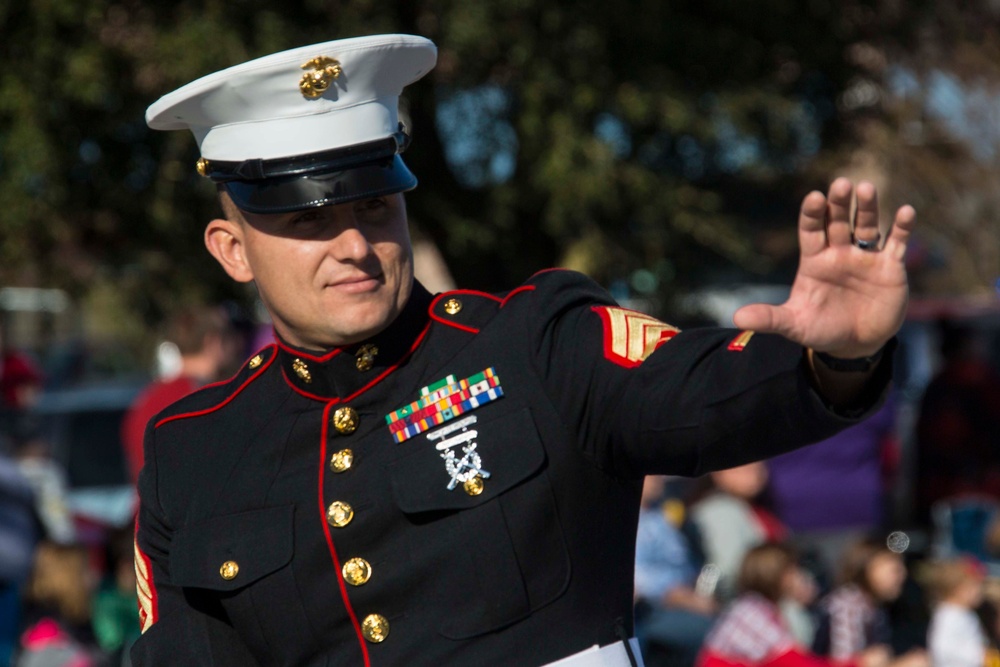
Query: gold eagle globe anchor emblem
{"x": 322, "y": 72}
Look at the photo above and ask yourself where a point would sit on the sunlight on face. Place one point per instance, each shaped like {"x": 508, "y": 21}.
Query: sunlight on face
{"x": 333, "y": 275}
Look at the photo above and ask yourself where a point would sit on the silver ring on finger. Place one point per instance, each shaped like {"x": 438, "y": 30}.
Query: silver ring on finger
{"x": 869, "y": 246}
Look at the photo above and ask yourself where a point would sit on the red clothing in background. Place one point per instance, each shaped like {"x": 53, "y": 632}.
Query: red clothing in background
{"x": 751, "y": 633}
{"x": 151, "y": 401}
{"x": 16, "y": 372}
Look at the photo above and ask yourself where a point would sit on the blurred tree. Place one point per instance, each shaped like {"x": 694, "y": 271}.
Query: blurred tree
{"x": 651, "y": 144}
{"x": 939, "y": 141}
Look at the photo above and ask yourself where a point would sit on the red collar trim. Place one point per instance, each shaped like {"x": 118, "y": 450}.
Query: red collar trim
{"x": 388, "y": 371}
{"x": 311, "y": 357}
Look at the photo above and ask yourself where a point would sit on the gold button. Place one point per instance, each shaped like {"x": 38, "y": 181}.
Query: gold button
{"x": 452, "y": 306}
{"x": 365, "y": 357}
{"x": 375, "y": 628}
{"x": 339, "y": 514}
{"x": 345, "y": 420}
{"x": 357, "y": 571}
{"x": 202, "y": 166}
{"x": 302, "y": 370}
{"x": 342, "y": 460}
{"x": 256, "y": 361}
{"x": 229, "y": 570}
{"x": 474, "y": 486}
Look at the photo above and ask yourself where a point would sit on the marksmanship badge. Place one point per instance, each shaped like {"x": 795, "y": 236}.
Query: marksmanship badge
{"x": 470, "y": 465}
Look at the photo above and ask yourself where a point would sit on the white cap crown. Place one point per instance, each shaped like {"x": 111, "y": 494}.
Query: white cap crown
{"x": 259, "y": 110}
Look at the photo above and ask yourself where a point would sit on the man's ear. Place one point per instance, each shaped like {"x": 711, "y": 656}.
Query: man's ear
{"x": 224, "y": 239}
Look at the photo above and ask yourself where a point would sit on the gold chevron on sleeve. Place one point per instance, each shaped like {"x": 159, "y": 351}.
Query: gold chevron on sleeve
{"x": 630, "y": 337}
{"x": 145, "y": 591}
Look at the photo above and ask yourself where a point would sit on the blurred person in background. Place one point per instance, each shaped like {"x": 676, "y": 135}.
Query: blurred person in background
{"x": 57, "y": 609}
{"x": 731, "y": 521}
{"x": 19, "y": 533}
{"x": 956, "y": 637}
{"x": 47, "y": 477}
{"x": 752, "y": 632}
{"x": 115, "y": 604}
{"x": 672, "y": 617}
{"x": 849, "y": 472}
{"x": 958, "y": 428}
{"x": 853, "y": 615}
{"x": 205, "y": 347}
{"x": 20, "y": 381}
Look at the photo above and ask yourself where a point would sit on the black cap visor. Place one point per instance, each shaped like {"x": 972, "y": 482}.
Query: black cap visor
{"x": 285, "y": 194}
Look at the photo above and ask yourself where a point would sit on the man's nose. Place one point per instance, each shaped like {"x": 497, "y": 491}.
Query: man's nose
{"x": 350, "y": 244}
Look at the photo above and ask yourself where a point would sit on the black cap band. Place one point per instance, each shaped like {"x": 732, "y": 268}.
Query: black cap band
{"x": 282, "y": 185}
{"x": 309, "y": 190}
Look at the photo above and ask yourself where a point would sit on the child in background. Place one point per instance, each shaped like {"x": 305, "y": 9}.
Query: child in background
{"x": 670, "y": 613}
{"x": 956, "y": 637}
{"x": 853, "y": 615}
{"x": 752, "y": 633}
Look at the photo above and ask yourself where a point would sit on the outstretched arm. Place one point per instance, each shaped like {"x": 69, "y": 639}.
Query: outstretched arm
{"x": 849, "y": 295}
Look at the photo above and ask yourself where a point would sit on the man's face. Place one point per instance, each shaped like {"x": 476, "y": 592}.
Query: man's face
{"x": 329, "y": 276}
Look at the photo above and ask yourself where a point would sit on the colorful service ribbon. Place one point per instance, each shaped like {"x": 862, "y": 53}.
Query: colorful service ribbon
{"x": 442, "y": 401}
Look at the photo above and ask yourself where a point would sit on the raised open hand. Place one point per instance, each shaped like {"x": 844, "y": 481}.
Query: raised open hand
{"x": 849, "y": 295}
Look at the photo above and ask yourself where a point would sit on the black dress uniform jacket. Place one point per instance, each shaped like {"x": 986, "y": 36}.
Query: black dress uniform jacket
{"x": 239, "y": 564}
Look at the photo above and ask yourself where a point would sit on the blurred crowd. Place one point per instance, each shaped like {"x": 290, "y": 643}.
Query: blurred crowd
{"x": 67, "y": 577}
{"x": 799, "y": 560}
{"x": 793, "y": 561}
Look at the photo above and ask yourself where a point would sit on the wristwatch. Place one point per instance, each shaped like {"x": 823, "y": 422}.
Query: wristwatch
{"x": 858, "y": 365}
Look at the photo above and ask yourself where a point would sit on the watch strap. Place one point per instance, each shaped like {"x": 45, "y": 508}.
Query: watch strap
{"x": 858, "y": 365}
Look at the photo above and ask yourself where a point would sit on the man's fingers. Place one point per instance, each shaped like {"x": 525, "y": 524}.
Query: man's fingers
{"x": 899, "y": 235}
{"x": 866, "y": 219}
{"x": 838, "y": 226}
{"x": 763, "y": 318}
{"x": 812, "y": 224}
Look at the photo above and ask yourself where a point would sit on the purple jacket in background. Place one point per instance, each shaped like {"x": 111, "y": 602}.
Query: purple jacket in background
{"x": 837, "y": 483}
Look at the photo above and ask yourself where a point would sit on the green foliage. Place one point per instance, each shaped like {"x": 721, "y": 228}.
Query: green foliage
{"x": 641, "y": 136}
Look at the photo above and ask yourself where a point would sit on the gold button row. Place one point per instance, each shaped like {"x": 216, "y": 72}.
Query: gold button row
{"x": 356, "y": 571}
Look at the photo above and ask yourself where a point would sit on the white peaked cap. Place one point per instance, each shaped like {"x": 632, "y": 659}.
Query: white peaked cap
{"x": 252, "y": 120}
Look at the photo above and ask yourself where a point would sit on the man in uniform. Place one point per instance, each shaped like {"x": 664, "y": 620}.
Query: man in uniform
{"x": 411, "y": 479}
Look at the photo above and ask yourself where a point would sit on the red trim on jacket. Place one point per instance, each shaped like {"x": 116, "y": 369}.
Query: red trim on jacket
{"x": 324, "y": 434}
{"x": 229, "y": 398}
{"x": 548, "y": 270}
{"x": 462, "y": 327}
{"x": 381, "y": 376}
{"x": 299, "y": 353}
{"x": 515, "y": 292}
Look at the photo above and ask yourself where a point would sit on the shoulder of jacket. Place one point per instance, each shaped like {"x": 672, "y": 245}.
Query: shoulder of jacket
{"x": 212, "y": 397}
{"x": 551, "y": 289}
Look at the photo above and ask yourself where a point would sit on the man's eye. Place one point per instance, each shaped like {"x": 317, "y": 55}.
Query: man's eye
{"x": 308, "y": 216}
{"x": 372, "y": 204}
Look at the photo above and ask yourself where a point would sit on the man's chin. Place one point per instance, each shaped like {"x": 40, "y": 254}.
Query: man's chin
{"x": 360, "y": 328}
